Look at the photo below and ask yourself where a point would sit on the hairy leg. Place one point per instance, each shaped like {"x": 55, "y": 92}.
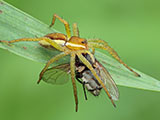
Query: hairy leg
{"x": 96, "y": 43}
{"x": 75, "y": 30}
{"x": 90, "y": 54}
{"x": 55, "y": 58}
{"x": 72, "y": 64}
{"x": 52, "y": 42}
{"x": 85, "y": 62}
{"x": 101, "y": 43}
{"x": 66, "y": 24}
{"x": 93, "y": 51}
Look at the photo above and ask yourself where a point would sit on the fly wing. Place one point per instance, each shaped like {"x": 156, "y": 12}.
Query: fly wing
{"x": 57, "y": 75}
{"x": 109, "y": 82}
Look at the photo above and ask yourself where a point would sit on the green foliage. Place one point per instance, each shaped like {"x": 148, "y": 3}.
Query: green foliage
{"x": 16, "y": 24}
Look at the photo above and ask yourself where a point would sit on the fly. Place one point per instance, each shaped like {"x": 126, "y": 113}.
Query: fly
{"x": 60, "y": 75}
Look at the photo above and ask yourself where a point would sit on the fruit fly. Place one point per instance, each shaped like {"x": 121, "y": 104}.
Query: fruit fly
{"x": 73, "y": 46}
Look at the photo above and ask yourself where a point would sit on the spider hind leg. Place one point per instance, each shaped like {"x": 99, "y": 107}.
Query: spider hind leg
{"x": 52, "y": 60}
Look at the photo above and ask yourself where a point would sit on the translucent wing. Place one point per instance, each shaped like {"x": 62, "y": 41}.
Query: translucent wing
{"x": 57, "y": 75}
{"x": 108, "y": 81}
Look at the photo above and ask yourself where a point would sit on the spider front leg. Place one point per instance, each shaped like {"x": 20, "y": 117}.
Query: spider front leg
{"x": 97, "y": 43}
{"x": 66, "y": 24}
{"x": 90, "y": 54}
{"x": 51, "y": 42}
{"x": 72, "y": 64}
{"x": 87, "y": 64}
{"x": 52, "y": 60}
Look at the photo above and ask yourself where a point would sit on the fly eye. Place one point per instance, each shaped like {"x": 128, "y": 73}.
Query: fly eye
{"x": 83, "y": 42}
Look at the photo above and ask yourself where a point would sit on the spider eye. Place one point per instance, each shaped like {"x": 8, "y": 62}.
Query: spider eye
{"x": 83, "y": 42}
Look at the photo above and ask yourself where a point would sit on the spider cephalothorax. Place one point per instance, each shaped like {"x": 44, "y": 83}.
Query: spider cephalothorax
{"x": 72, "y": 43}
{"x": 74, "y": 46}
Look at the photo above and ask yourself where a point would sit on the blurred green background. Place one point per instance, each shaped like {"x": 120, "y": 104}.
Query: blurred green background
{"x": 131, "y": 27}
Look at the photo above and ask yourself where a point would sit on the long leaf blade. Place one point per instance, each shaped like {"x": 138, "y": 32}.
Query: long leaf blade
{"x": 16, "y": 24}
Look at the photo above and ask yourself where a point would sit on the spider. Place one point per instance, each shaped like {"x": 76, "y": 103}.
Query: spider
{"x": 74, "y": 46}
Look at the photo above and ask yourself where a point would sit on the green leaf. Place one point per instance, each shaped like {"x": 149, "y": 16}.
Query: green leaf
{"x": 16, "y": 24}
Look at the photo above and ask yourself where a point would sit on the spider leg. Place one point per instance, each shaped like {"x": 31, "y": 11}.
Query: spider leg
{"x": 66, "y": 24}
{"x": 72, "y": 64}
{"x": 55, "y": 58}
{"x": 52, "y": 42}
{"x": 93, "y": 51}
{"x": 75, "y": 30}
{"x": 90, "y": 54}
{"x": 97, "y": 43}
{"x": 85, "y": 62}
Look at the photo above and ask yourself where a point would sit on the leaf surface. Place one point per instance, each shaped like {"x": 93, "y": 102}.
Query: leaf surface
{"x": 16, "y": 24}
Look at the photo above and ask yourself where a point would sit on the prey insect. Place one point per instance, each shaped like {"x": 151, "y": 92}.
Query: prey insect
{"x": 55, "y": 74}
{"x": 73, "y": 46}
{"x": 87, "y": 79}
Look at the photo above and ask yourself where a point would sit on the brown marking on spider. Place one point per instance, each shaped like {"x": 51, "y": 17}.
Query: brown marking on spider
{"x": 74, "y": 46}
{"x": 1, "y": 11}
